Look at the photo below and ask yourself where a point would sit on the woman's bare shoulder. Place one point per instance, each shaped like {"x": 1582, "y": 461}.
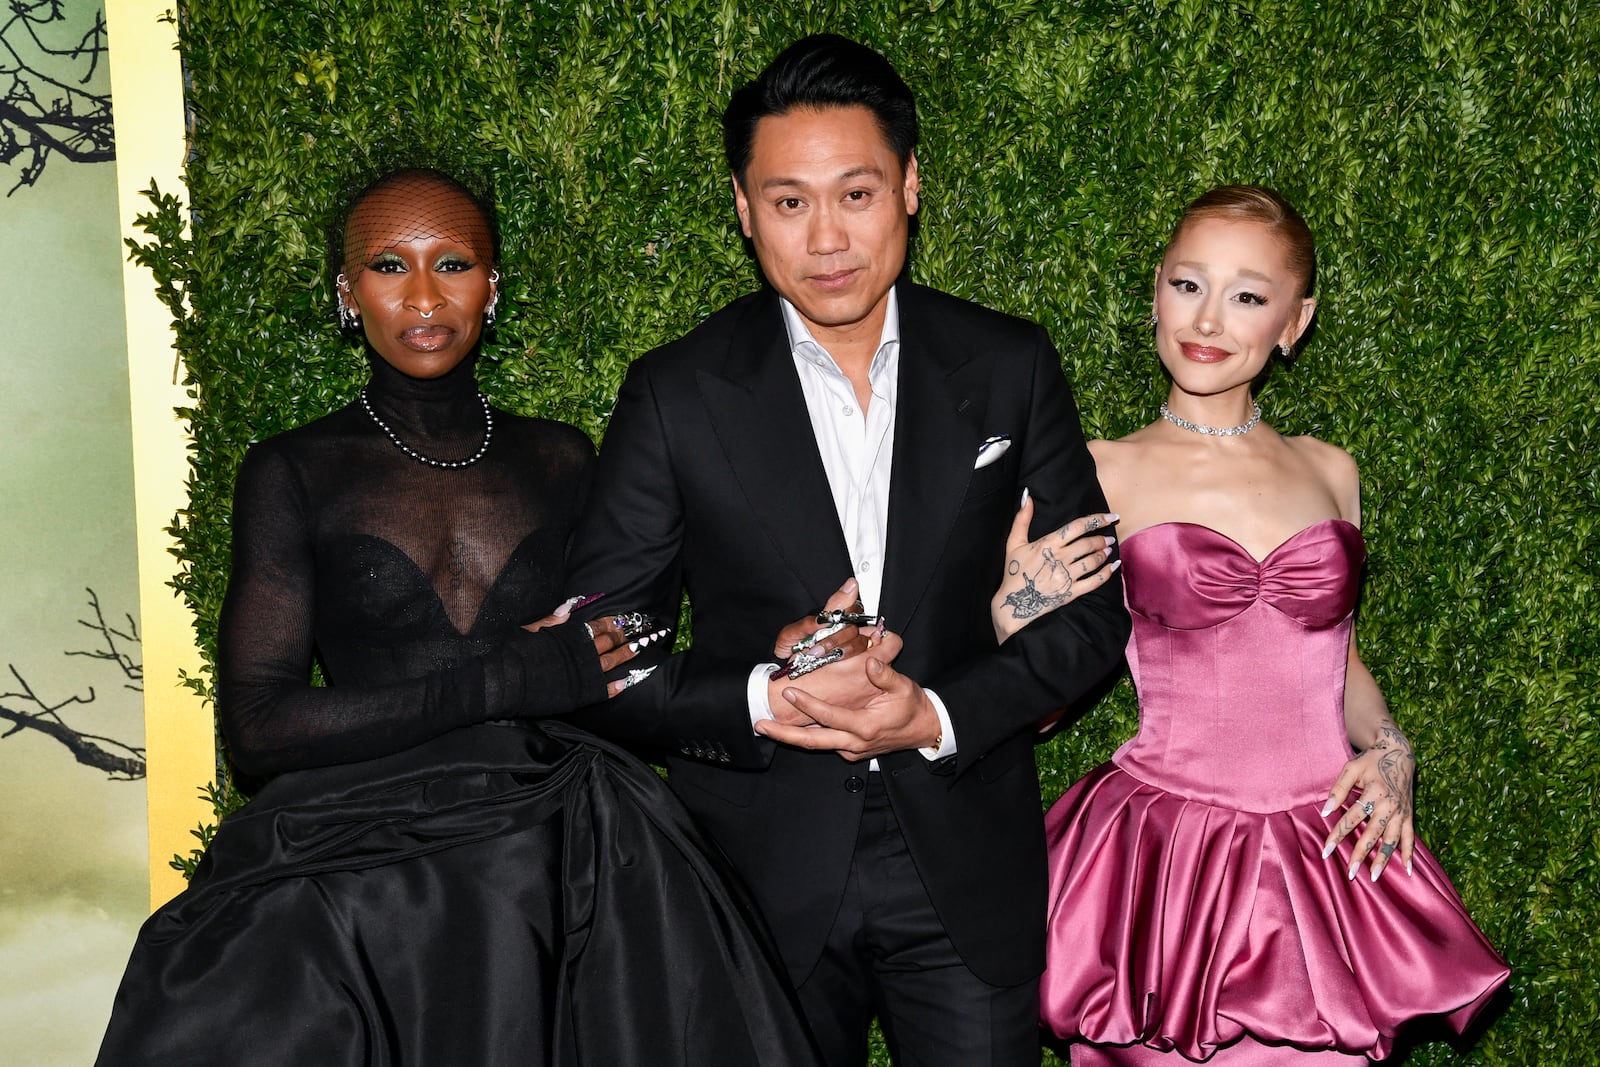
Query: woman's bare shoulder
{"x": 1335, "y": 468}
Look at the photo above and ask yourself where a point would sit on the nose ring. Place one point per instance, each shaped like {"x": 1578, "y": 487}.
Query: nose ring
{"x": 429, "y": 314}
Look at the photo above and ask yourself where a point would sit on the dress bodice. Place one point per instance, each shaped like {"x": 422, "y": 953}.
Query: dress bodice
{"x": 1239, "y": 662}
{"x": 409, "y": 581}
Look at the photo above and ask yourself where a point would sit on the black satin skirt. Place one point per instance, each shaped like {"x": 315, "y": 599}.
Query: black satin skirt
{"x": 506, "y": 894}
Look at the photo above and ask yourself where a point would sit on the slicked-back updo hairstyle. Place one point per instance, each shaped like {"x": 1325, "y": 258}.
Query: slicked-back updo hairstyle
{"x": 821, "y": 71}
{"x": 1257, "y": 203}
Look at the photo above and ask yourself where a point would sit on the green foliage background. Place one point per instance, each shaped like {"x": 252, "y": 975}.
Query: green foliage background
{"x": 1443, "y": 152}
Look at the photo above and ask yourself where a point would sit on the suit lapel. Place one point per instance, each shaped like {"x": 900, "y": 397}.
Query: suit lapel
{"x": 759, "y": 416}
{"x": 943, "y": 396}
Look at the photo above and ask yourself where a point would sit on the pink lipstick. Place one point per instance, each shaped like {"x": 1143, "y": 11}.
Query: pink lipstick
{"x": 1203, "y": 353}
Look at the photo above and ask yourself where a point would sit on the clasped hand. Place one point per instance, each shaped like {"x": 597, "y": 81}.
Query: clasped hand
{"x": 858, "y": 705}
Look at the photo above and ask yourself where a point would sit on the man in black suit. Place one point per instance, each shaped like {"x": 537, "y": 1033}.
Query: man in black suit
{"x": 843, "y": 425}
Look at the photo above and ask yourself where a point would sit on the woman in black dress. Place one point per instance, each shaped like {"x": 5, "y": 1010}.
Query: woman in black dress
{"x": 437, "y": 872}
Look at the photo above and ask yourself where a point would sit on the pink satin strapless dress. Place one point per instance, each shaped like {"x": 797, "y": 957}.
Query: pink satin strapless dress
{"x": 1190, "y": 906}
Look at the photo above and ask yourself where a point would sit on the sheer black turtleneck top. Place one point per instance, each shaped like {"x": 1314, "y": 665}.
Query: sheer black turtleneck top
{"x": 410, "y": 582}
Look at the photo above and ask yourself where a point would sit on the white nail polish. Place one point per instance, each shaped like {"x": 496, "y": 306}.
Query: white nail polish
{"x": 637, "y": 676}
{"x": 1375, "y": 872}
{"x": 1329, "y": 850}
{"x": 1351, "y": 874}
{"x": 1024, "y": 499}
{"x": 1327, "y": 809}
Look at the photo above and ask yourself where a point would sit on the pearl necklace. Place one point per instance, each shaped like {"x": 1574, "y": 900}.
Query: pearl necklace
{"x": 488, "y": 434}
{"x": 1213, "y": 431}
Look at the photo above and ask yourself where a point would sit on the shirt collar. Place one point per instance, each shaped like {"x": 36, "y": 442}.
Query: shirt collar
{"x": 801, "y": 342}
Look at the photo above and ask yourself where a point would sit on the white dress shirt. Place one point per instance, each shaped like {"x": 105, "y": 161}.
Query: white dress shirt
{"x": 857, "y": 450}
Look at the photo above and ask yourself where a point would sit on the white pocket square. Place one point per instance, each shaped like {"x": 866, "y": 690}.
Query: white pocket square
{"x": 991, "y": 450}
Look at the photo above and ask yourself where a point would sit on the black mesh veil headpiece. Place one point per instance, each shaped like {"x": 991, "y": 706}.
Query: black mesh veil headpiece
{"x": 408, "y": 205}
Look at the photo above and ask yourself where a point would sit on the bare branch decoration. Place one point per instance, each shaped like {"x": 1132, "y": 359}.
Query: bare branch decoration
{"x": 25, "y": 709}
{"x": 41, "y": 113}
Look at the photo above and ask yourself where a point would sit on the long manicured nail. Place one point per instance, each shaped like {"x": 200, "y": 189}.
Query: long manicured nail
{"x": 1327, "y": 809}
{"x": 1112, "y": 517}
{"x": 1328, "y": 851}
{"x": 1024, "y": 499}
{"x": 585, "y": 601}
{"x": 1355, "y": 865}
{"x": 1376, "y": 871}
{"x": 634, "y": 646}
{"x": 636, "y": 676}
{"x": 1113, "y": 565}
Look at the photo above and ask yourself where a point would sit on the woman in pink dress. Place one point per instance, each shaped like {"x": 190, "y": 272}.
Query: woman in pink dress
{"x": 1242, "y": 883}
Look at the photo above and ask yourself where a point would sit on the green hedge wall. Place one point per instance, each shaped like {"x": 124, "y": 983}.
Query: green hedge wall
{"x": 1443, "y": 152}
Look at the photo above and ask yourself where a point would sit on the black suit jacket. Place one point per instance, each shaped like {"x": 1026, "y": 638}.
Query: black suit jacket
{"x": 710, "y": 481}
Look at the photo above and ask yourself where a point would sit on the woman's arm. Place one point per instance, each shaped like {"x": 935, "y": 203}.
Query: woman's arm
{"x": 1386, "y": 769}
{"x": 1385, "y": 772}
{"x": 275, "y": 720}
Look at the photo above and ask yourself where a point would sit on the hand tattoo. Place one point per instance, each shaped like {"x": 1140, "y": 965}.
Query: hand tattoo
{"x": 1396, "y": 763}
{"x": 1027, "y": 602}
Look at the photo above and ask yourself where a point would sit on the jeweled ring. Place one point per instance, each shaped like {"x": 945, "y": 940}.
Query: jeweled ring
{"x": 1366, "y": 808}
{"x": 633, "y": 624}
{"x": 805, "y": 662}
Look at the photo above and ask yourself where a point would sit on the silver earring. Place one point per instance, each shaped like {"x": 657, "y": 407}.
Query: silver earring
{"x": 1284, "y": 352}
{"x": 349, "y": 317}
{"x": 1155, "y": 320}
{"x": 488, "y": 312}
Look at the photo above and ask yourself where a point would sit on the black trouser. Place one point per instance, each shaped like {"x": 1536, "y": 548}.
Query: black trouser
{"x": 888, "y": 955}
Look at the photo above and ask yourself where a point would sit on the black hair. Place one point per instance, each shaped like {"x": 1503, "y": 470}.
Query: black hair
{"x": 823, "y": 70}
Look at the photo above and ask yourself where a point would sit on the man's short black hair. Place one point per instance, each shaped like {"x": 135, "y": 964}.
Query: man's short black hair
{"x": 823, "y": 70}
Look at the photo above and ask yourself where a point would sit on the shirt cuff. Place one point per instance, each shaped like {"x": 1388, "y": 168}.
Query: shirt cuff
{"x": 947, "y": 733}
{"x": 756, "y": 693}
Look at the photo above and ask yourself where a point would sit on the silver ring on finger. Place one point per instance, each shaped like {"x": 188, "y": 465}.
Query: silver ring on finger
{"x": 634, "y": 624}
{"x": 1366, "y": 808}
{"x": 806, "y": 662}
{"x": 588, "y": 630}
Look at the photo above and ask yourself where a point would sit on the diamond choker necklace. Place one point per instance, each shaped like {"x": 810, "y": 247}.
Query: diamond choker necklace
{"x": 1209, "y": 431}
{"x": 488, "y": 433}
